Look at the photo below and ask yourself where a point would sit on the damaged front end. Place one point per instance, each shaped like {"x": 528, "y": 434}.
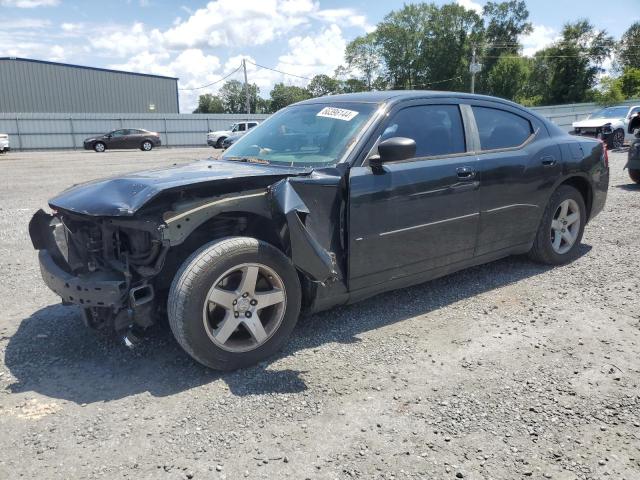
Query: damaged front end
{"x": 104, "y": 265}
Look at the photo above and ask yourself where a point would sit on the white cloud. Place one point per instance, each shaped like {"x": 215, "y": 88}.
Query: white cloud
{"x": 29, "y": 3}
{"x": 26, "y": 24}
{"x": 223, "y": 23}
{"x": 121, "y": 42}
{"x": 69, "y": 27}
{"x": 57, "y": 53}
{"x": 191, "y": 48}
{"x": 470, "y": 5}
{"x": 541, "y": 37}
{"x": 314, "y": 54}
{"x": 347, "y": 17}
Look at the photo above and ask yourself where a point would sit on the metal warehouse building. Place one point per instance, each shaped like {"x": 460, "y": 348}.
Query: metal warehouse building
{"x": 28, "y": 86}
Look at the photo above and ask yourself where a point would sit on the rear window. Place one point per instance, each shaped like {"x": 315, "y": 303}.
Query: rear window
{"x": 500, "y": 129}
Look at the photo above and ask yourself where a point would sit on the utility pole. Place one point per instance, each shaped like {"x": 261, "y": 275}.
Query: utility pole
{"x": 474, "y": 68}
{"x": 246, "y": 86}
{"x": 473, "y": 73}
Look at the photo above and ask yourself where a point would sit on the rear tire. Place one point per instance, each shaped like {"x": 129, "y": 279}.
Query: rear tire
{"x": 222, "y": 321}
{"x": 634, "y": 175}
{"x": 558, "y": 238}
{"x": 99, "y": 147}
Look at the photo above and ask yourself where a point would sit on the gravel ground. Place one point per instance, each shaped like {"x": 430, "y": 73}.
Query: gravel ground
{"x": 510, "y": 370}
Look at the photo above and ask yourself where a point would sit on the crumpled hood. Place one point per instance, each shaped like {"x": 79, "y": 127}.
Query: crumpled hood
{"x": 125, "y": 195}
{"x": 595, "y": 122}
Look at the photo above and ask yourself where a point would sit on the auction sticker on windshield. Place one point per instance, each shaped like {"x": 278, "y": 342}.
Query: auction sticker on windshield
{"x": 338, "y": 113}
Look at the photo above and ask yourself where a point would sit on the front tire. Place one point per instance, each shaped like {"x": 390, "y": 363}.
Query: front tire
{"x": 561, "y": 228}
{"x": 234, "y": 302}
{"x": 616, "y": 139}
{"x": 99, "y": 147}
{"x": 146, "y": 146}
{"x": 219, "y": 142}
{"x": 634, "y": 174}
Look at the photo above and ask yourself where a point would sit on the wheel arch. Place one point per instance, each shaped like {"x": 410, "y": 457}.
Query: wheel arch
{"x": 224, "y": 224}
{"x": 583, "y": 186}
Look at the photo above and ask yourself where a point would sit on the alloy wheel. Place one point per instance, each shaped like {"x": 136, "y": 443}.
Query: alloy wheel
{"x": 565, "y": 226}
{"x": 244, "y": 307}
{"x": 146, "y": 146}
{"x": 99, "y": 147}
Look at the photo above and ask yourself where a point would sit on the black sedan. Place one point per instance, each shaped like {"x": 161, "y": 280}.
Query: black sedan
{"x": 329, "y": 201}
{"x": 122, "y": 139}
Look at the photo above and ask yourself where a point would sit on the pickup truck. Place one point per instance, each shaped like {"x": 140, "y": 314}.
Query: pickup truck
{"x": 4, "y": 143}
{"x": 215, "y": 139}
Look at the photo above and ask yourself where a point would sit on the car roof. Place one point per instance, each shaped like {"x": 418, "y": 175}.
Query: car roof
{"x": 385, "y": 96}
{"x": 393, "y": 96}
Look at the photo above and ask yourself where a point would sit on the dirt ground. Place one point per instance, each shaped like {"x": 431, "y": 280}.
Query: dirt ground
{"x": 505, "y": 371}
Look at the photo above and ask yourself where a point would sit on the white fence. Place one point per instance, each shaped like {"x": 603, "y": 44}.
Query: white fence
{"x": 29, "y": 131}
{"x": 39, "y": 131}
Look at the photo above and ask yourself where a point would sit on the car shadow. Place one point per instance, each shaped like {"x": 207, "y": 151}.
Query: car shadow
{"x": 54, "y": 354}
{"x": 630, "y": 187}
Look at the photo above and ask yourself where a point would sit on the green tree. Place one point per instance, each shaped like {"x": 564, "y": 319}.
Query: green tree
{"x": 504, "y": 23}
{"x": 630, "y": 82}
{"x": 283, "y": 95}
{"x": 233, "y": 97}
{"x": 209, "y": 103}
{"x": 567, "y": 71}
{"x": 363, "y": 55}
{"x": 323, "y": 85}
{"x": 264, "y": 105}
{"x": 425, "y": 46}
{"x": 508, "y": 77}
{"x": 353, "y": 85}
{"x": 628, "y": 49}
{"x": 610, "y": 92}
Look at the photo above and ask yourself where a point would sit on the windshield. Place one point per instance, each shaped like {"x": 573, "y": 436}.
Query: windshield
{"x": 304, "y": 135}
{"x": 611, "y": 112}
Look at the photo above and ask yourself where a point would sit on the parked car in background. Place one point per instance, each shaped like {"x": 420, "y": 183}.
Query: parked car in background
{"x": 124, "y": 138}
{"x": 614, "y": 125}
{"x": 231, "y": 139}
{"x": 382, "y": 190}
{"x": 215, "y": 139}
{"x": 633, "y": 158}
{"x": 4, "y": 143}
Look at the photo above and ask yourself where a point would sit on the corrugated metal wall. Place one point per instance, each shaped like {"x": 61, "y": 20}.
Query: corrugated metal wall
{"x": 34, "y": 86}
{"x": 53, "y": 130}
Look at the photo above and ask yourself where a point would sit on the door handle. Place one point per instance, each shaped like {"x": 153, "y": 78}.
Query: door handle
{"x": 548, "y": 160}
{"x": 466, "y": 173}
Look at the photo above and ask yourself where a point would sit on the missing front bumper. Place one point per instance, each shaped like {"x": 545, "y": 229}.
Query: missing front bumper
{"x": 98, "y": 289}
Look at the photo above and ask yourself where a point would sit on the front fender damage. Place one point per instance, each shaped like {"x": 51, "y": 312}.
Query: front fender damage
{"x": 313, "y": 233}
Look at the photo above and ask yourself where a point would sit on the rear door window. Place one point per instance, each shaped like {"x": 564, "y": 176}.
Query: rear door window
{"x": 436, "y": 129}
{"x": 500, "y": 129}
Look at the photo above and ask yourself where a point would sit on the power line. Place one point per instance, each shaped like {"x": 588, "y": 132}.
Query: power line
{"x": 443, "y": 81}
{"x": 213, "y": 83}
{"x": 279, "y": 71}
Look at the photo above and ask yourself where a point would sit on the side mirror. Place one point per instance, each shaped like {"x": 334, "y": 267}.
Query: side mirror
{"x": 393, "y": 149}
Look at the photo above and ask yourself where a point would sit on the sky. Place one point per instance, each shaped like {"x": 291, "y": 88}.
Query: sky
{"x": 201, "y": 42}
